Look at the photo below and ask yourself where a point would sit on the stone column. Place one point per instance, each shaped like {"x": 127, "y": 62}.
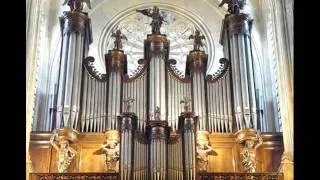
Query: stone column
{"x": 282, "y": 27}
{"x": 33, "y": 9}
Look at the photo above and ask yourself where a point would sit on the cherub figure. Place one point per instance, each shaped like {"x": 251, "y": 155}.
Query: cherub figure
{"x": 111, "y": 150}
{"x": 157, "y": 19}
{"x": 203, "y": 150}
{"x": 128, "y": 104}
{"x": 65, "y": 153}
{"x": 77, "y": 5}
{"x": 187, "y": 102}
{"x": 118, "y": 39}
{"x": 197, "y": 40}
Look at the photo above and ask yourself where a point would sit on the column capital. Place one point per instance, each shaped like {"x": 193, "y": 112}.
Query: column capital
{"x": 127, "y": 122}
{"x": 75, "y": 22}
{"x": 158, "y": 130}
{"x": 239, "y": 24}
{"x": 188, "y": 122}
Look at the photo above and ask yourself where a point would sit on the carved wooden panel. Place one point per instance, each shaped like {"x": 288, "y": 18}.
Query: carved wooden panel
{"x": 225, "y": 158}
{"x": 88, "y": 161}
{"x": 41, "y": 156}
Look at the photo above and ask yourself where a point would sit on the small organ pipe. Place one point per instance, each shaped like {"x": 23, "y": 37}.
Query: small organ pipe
{"x": 84, "y": 100}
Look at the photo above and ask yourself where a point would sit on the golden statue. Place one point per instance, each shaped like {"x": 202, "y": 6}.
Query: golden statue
{"x": 251, "y": 140}
{"x": 111, "y": 150}
{"x": 65, "y": 152}
{"x": 203, "y": 150}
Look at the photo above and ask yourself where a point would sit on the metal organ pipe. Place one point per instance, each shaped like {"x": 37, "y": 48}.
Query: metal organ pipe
{"x": 188, "y": 130}
{"x": 237, "y": 33}
{"x": 76, "y": 37}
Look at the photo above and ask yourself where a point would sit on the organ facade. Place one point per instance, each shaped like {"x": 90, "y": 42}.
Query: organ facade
{"x": 157, "y": 123}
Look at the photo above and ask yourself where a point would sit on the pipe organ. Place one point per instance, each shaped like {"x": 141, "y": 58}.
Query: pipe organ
{"x": 157, "y": 112}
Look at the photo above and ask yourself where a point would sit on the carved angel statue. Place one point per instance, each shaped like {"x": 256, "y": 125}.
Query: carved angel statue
{"x": 234, "y": 6}
{"x": 111, "y": 149}
{"x": 197, "y": 40}
{"x": 128, "y": 104}
{"x": 65, "y": 153}
{"x": 203, "y": 150}
{"x": 187, "y": 102}
{"x": 118, "y": 39}
{"x": 157, "y": 19}
{"x": 248, "y": 157}
{"x": 77, "y": 5}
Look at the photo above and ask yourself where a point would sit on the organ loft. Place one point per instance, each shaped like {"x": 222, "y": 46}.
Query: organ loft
{"x": 167, "y": 90}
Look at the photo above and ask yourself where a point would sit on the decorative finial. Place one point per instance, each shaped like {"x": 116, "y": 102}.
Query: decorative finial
{"x": 197, "y": 40}
{"x": 128, "y": 104}
{"x": 234, "y": 6}
{"x": 187, "y": 102}
{"x": 118, "y": 39}
{"x": 157, "y": 19}
{"x": 77, "y": 5}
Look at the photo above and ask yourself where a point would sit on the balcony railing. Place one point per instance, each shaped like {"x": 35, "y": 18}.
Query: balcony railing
{"x": 74, "y": 176}
{"x": 240, "y": 176}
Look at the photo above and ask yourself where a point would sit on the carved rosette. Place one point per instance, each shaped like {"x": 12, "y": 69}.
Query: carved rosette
{"x": 239, "y": 24}
{"x": 116, "y": 60}
{"x": 250, "y": 140}
{"x": 112, "y": 150}
{"x": 158, "y": 130}
{"x": 75, "y": 22}
{"x": 196, "y": 61}
{"x": 127, "y": 122}
{"x": 61, "y": 140}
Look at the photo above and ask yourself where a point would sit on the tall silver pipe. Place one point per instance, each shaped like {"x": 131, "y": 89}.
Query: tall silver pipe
{"x": 62, "y": 77}
{"x": 69, "y": 78}
{"x": 238, "y": 31}
{"x": 237, "y": 85}
{"x": 230, "y": 119}
{"x": 77, "y": 79}
{"x": 84, "y": 101}
{"x": 95, "y": 107}
{"x": 188, "y": 130}
{"x": 251, "y": 83}
{"x": 88, "y": 105}
{"x": 244, "y": 81}
{"x": 110, "y": 99}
